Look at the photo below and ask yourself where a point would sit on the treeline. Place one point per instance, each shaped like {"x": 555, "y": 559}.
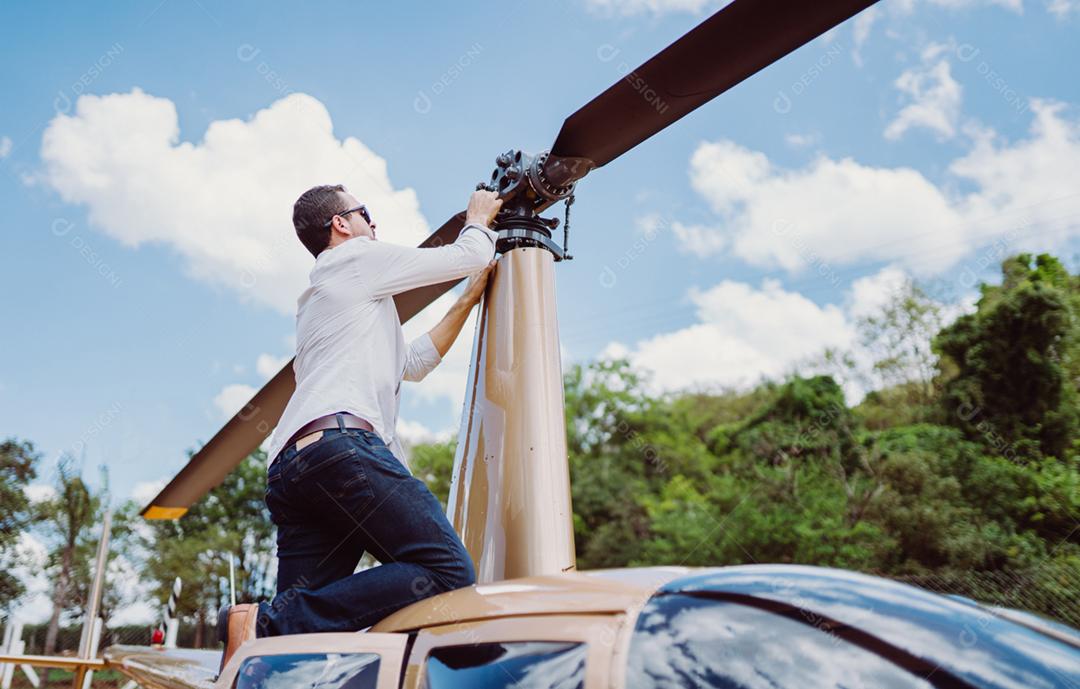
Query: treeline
{"x": 144, "y": 556}
{"x": 960, "y": 471}
{"x": 66, "y": 522}
{"x": 961, "y": 474}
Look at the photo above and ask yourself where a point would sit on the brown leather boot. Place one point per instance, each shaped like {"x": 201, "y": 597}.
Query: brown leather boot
{"x": 236, "y": 624}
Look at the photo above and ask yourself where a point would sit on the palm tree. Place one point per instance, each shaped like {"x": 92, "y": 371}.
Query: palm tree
{"x": 67, "y": 519}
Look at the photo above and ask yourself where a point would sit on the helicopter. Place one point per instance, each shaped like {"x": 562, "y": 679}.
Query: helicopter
{"x": 533, "y": 619}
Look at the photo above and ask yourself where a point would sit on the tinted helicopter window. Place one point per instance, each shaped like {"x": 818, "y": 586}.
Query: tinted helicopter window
{"x": 521, "y": 665}
{"x": 310, "y": 670}
{"x": 696, "y": 643}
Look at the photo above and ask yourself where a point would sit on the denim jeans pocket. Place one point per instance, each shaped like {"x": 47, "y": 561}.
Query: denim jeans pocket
{"x": 316, "y": 457}
{"x": 337, "y": 482}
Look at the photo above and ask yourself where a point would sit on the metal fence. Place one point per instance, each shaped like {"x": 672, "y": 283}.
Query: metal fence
{"x": 1051, "y": 594}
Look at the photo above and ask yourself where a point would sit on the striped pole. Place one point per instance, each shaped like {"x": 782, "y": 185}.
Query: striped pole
{"x": 171, "y": 623}
{"x": 170, "y": 609}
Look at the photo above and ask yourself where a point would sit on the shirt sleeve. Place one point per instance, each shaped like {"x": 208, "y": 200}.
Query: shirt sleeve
{"x": 420, "y": 358}
{"x": 393, "y": 268}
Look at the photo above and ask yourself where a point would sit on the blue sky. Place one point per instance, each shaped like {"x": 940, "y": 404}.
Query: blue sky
{"x": 150, "y": 263}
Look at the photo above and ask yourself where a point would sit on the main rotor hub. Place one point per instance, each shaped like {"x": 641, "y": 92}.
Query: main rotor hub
{"x": 525, "y": 190}
{"x": 519, "y": 174}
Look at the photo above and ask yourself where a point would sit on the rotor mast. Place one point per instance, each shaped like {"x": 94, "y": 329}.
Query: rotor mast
{"x": 510, "y": 490}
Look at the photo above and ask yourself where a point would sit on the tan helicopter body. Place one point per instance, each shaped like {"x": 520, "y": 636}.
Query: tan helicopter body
{"x": 596, "y": 610}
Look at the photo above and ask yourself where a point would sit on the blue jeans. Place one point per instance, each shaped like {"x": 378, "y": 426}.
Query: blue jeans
{"x": 332, "y": 501}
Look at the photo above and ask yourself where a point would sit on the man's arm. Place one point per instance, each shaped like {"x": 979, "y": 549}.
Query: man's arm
{"x": 446, "y": 331}
{"x": 426, "y": 351}
{"x": 393, "y": 269}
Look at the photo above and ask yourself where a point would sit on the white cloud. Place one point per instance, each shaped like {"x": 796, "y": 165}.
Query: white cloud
{"x": 869, "y": 294}
{"x": 699, "y": 239}
{"x": 838, "y": 212}
{"x": 832, "y": 211}
{"x": 5, "y": 146}
{"x": 659, "y": 7}
{"x": 861, "y": 27}
{"x": 32, "y": 548}
{"x": 37, "y": 492}
{"x": 1061, "y": 9}
{"x": 35, "y": 606}
{"x": 267, "y": 365}
{"x": 934, "y": 101}
{"x": 224, "y": 203}
{"x": 1013, "y": 5}
{"x": 145, "y": 491}
{"x": 123, "y": 575}
{"x": 654, "y": 7}
{"x": 139, "y": 612}
{"x": 743, "y": 334}
{"x": 232, "y": 399}
{"x": 802, "y": 140}
{"x": 414, "y": 433}
{"x": 865, "y": 21}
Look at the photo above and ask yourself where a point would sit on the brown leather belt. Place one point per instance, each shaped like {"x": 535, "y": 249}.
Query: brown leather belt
{"x": 328, "y": 422}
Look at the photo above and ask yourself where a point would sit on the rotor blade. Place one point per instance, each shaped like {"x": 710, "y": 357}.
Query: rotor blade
{"x": 739, "y": 40}
{"x": 249, "y": 427}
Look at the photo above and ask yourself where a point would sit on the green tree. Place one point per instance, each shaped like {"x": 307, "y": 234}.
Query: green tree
{"x": 790, "y": 482}
{"x": 232, "y": 518}
{"x": 806, "y": 418}
{"x": 894, "y": 362}
{"x": 18, "y": 467}
{"x": 898, "y": 341}
{"x": 67, "y": 519}
{"x": 1014, "y": 387}
{"x": 615, "y": 442}
{"x": 434, "y": 464}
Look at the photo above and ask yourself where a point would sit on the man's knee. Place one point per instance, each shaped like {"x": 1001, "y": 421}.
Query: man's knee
{"x": 449, "y": 577}
{"x": 463, "y": 574}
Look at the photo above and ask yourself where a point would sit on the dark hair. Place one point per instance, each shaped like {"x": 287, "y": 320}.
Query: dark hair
{"x": 310, "y": 213}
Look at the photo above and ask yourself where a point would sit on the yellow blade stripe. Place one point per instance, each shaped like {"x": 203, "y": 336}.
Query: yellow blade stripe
{"x": 156, "y": 512}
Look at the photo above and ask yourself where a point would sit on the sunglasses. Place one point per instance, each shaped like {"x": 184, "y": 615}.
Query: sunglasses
{"x": 361, "y": 208}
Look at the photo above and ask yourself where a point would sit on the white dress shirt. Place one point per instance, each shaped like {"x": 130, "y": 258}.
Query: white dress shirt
{"x": 350, "y": 353}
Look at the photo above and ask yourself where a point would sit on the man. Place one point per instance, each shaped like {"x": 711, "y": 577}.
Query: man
{"x": 337, "y": 487}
